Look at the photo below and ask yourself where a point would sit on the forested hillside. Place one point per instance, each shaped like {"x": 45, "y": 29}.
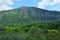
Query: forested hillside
{"x": 28, "y": 15}
{"x": 29, "y": 23}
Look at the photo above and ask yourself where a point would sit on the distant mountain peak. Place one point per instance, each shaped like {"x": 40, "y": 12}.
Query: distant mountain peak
{"x": 26, "y": 14}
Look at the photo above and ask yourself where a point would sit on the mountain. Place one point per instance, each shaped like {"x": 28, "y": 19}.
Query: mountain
{"x": 28, "y": 15}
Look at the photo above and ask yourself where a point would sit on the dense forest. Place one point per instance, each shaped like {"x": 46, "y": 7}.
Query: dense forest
{"x": 35, "y": 31}
{"x": 29, "y": 23}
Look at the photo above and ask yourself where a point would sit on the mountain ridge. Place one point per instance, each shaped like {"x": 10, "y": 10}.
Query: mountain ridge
{"x": 30, "y": 7}
{"x": 28, "y": 15}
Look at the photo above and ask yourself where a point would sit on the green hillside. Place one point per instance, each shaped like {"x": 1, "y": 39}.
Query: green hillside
{"x": 28, "y": 15}
{"x": 29, "y": 23}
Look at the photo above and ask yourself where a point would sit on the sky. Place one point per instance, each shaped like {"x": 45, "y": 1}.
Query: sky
{"x": 43, "y": 4}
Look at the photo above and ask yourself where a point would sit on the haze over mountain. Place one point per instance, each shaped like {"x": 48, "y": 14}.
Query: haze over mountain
{"x": 28, "y": 15}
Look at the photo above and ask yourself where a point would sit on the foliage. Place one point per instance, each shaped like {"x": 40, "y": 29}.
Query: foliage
{"x": 29, "y": 23}
{"x": 34, "y": 31}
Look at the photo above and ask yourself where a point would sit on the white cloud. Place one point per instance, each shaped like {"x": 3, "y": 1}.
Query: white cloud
{"x": 53, "y": 4}
{"x": 5, "y": 7}
{"x": 6, "y": 4}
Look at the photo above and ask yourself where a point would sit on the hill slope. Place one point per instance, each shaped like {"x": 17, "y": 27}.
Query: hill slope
{"x": 28, "y": 15}
{"x": 13, "y": 24}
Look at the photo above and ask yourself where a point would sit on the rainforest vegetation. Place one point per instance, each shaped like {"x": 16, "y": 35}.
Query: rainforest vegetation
{"x": 34, "y": 31}
{"x": 29, "y": 23}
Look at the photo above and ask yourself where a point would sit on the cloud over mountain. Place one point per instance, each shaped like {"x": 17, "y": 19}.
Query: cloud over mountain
{"x": 49, "y": 4}
{"x": 6, "y": 4}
